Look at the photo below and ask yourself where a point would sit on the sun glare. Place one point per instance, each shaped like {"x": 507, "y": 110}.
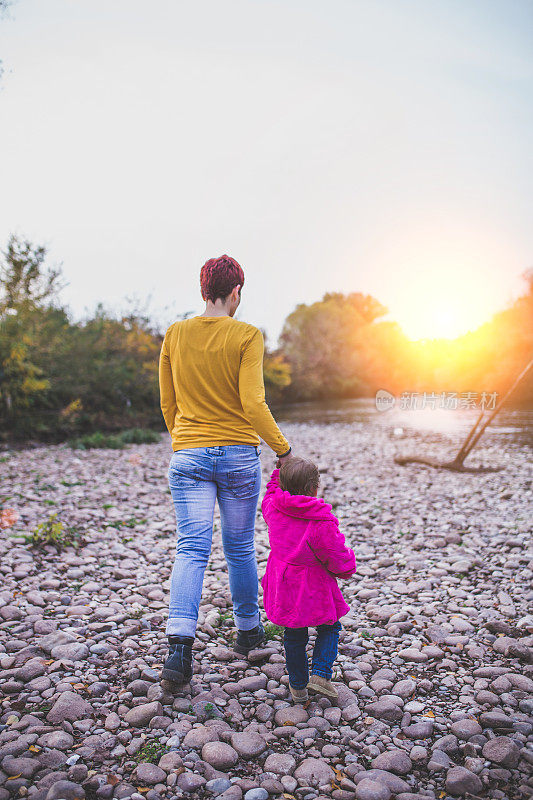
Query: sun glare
{"x": 436, "y": 320}
{"x": 434, "y": 309}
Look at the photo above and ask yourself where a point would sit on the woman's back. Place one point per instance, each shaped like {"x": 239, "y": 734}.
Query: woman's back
{"x": 211, "y": 375}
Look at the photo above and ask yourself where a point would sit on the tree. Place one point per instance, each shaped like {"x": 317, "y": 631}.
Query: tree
{"x": 26, "y": 288}
{"x": 325, "y": 344}
{"x": 25, "y": 283}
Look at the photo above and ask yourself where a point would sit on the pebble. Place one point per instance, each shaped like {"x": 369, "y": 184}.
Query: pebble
{"x": 219, "y": 755}
{"x": 396, "y": 761}
{"x": 149, "y": 773}
{"x": 434, "y": 668}
{"x": 460, "y": 781}
{"x": 368, "y": 789}
{"x": 248, "y": 744}
{"x": 256, "y": 794}
{"x": 502, "y": 750}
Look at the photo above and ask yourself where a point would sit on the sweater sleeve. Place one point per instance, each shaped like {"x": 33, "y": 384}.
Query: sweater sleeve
{"x": 329, "y": 546}
{"x": 252, "y": 395}
{"x": 167, "y": 394}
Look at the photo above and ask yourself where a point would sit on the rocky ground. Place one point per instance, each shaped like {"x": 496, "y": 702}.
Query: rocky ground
{"x": 435, "y": 669}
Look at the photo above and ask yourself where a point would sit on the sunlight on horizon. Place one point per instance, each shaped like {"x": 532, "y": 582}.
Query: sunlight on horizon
{"x": 436, "y": 318}
{"x": 445, "y": 302}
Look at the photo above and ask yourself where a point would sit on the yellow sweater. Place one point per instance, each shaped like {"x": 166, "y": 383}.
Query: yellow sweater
{"x": 211, "y": 385}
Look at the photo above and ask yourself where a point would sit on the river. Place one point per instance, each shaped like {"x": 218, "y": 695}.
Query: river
{"x": 510, "y": 428}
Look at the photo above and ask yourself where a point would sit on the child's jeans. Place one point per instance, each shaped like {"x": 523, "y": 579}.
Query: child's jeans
{"x": 324, "y": 653}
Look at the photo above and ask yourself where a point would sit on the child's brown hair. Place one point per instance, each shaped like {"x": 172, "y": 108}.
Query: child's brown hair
{"x": 299, "y": 476}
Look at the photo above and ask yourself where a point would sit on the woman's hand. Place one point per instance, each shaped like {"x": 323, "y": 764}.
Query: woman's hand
{"x": 283, "y": 459}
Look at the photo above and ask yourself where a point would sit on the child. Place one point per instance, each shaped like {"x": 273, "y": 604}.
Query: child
{"x": 308, "y": 553}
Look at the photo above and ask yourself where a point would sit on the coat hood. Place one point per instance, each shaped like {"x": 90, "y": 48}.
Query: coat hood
{"x": 302, "y": 505}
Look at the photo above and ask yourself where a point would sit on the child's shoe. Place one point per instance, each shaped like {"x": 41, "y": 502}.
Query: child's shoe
{"x": 299, "y": 695}
{"x": 322, "y": 686}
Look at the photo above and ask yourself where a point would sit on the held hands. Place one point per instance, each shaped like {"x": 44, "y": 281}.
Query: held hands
{"x": 284, "y": 459}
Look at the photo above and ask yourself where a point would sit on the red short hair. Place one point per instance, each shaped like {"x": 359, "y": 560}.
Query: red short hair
{"x": 219, "y": 276}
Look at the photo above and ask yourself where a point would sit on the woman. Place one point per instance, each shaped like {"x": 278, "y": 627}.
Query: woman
{"x": 213, "y": 402}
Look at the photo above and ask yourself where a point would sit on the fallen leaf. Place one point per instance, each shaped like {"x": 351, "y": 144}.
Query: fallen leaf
{"x": 143, "y": 788}
{"x": 14, "y": 777}
{"x": 112, "y": 779}
{"x": 428, "y": 714}
{"x": 34, "y": 749}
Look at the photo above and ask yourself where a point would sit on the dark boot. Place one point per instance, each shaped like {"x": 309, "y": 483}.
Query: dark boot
{"x": 178, "y": 666}
{"x": 250, "y": 640}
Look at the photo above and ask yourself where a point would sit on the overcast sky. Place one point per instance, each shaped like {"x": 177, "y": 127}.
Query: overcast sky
{"x": 381, "y": 146}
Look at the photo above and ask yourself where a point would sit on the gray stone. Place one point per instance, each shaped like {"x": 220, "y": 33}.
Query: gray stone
{"x": 465, "y": 728}
{"x": 69, "y": 706}
{"x": 74, "y": 651}
{"x": 368, "y": 789}
{"x": 59, "y": 740}
{"x": 248, "y": 744}
{"x": 419, "y": 730}
{"x": 123, "y": 790}
{"x": 256, "y": 794}
{"x": 460, "y": 781}
{"x": 496, "y": 720}
{"x": 404, "y": 688}
{"x": 384, "y": 709}
{"x": 393, "y": 782}
{"x": 396, "y": 761}
{"x": 439, "y": 761}
{"x": 65, "y": 790}
{"x": 351, "y": 712}
{"x": 346, "y": 696}
{"x": 253, "y": 683}
{"x": 280, "y": 763}
{"x": 190, "y": 782}
{"x": 140, "y": 716}
{"x": 51, "y": 640}
{"x": 502, "y": 750}
{"x": 170, "y": 761}
{"x": 218, "y": 785}
{"x": 30, "y": 670}
{"x": 219, "y": 755}
{"x": 314, "y": 771}
{"x": 23, "y": 767}
{"x": 147, "y": 773}
{"x": 197, "y": 737}
{"x": 292, "y": 714}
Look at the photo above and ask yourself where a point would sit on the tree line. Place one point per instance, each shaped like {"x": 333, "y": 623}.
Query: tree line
{"x": 60, "y": 377}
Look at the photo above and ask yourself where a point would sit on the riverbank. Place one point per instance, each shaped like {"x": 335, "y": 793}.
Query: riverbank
{"x": 435, "y": 656}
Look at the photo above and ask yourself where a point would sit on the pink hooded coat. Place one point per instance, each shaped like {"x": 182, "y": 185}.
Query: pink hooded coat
{"x": 308, "y": 552}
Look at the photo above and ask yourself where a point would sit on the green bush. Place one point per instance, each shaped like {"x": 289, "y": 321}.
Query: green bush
{"x": 97, "y": 440}
{"x": 140, "y": 436}
{"x": 115, "y": 441}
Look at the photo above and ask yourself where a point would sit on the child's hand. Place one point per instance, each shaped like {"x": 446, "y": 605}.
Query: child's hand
{"x": 284, "y": 459}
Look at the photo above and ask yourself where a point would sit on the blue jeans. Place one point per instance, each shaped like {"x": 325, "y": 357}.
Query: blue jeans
{"x": 324, "y": 653}
{"x": 197, "y": 477}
